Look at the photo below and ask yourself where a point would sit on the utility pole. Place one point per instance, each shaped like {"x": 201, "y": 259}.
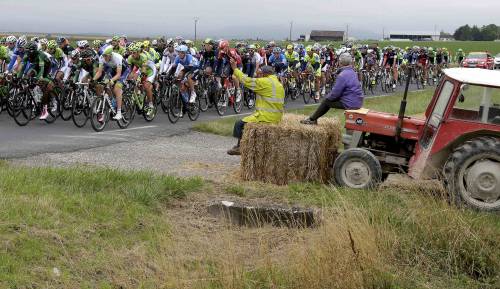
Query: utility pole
{"x": 347, "y": 32}
{"x": 383, "y": 33}
{"x": 291, "y": 27}
{"x": 195, "y": 24}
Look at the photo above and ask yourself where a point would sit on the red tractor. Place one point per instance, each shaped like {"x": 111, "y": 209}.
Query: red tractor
{"x": 457, "y": 142}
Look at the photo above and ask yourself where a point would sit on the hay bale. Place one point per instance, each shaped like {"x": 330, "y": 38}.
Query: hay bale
{"x": 289, "y": 151}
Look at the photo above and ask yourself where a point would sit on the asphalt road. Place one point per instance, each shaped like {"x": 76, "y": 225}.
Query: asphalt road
{"x": 63, "y": 136}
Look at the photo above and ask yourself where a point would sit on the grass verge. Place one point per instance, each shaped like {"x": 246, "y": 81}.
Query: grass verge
{"x": 417, "y": 103}
{"x": 100, "y": 228}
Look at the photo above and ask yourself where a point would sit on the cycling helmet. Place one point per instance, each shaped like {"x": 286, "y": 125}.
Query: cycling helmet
{"x": 460, "y": 50}
{"x": 82, "y": 43}
{"x": 182, "y": 48}
{"x": 115, "y": 38}
{"x": 251, "y": 46}
{"x": 2, "y": 41}
{"x": 34, "y": 39}
{"x": 134, "y": 48}
{"x": 60, "y": 40}
{"x": 154, "y": 42}
{"x": 145, "y": 44}
{"x": 223, "y": 44}
{"x": 272, "y": 44}
{"x": 108, "y": 41}
{"x": 43, "y": 41}
{"x": 308, "y": 48}
{"x": 370, "y": 51}
{"x": 86, "y": 54}
{"x": 179, "y": 38}
{"x": 108, "y": 51}
{"x": 289, "y": 46}
{"x": 31, "y": 47}
{"x": 170, "y": 42}
{"x": 431, "y": 49}
{"x": 51, "y": 44}
{"x": 97, "y": 43}
{"x": 11, "y": 39}
{"x": 276, "y": 50}
{"x": 21, "y": 43}
{"x": 188, "y": 42}
{"x": 209, "y": 41}
{"x": 176, "y": 45}
{"x": 74, "y": 54}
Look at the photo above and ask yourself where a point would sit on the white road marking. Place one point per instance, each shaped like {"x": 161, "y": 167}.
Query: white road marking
{"x": 88, "y": 136}
{"x": 127, "y": 129}
{"x": 232, "y": 115}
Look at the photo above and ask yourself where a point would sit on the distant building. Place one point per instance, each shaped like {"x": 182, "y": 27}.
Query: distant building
{"x": 302, "y": 38}
{"x": 414, "y": 36}
{"x": 321, "y": 35}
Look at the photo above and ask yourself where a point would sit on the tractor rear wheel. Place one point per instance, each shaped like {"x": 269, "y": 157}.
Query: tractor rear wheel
{"x": 472, "y": 174}
{"x": 357, "y": 168}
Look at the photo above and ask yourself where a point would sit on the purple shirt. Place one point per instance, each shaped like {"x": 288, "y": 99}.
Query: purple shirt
{"x": 347, "y": 89}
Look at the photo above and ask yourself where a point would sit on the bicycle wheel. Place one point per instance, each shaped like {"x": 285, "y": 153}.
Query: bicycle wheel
{"x": 222, "y": 102}
{"x": 22, "y": 109}
{"x": 193, "y": 110}
{"x": 67, "y": 103}
{"x": 175, "y": 106}
{"x": 292, "y": 88}
{"x": 128, "y": 111}
{"x": 80, "y": 110}
{"x": 165, "y": 98}
{"x": 250, "y": 99}
{"x": 99, "y": 114}
{"x": 306, "y": 91}
{"x": 238, "y": 105}
{"x": 149, "y": 112}
{"x": 203, "y": 98}
{"x": 54, "y": 106}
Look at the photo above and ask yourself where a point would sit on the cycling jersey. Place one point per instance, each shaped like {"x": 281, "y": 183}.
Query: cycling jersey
{"x": 59, "y": 59}
{"x": 292, "y": 57}
{"x": 119, "y": 49}
{"x": 13, "y": 59}
{"x": 111, "y": 67}
{"x": 389, "y": 58}
{"x": 152, "y": 55}
{"x": 313, "y": 60}
{"x": 208, "y": 58}
{"x": 39, "y": 64}
{"x": 422, "y": 58}
{"x": 279, "y": 62}
{"x": 167, "y": 60}
{"x": 146, "y": 66}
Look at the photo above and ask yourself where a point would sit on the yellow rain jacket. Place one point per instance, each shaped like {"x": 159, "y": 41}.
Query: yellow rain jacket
{"x": 270, "y": 97}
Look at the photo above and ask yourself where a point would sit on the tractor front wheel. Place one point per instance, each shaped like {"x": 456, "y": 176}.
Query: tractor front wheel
{"x": 472, "y": 174}
{"x": 357, "y": 168}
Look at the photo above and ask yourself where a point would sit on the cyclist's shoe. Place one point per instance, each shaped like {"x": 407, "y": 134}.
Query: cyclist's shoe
{"x": 100, "y": 118}
{"x": 118, "y": 116}
{"x": 235, "y": 151}
{"x": 309, "y": 121}
{"x": 251, "y": 102}
{"x": 192, "y": 99}
{"x": 150, "y": 110}
{"x": 394, "y": 86}
{"x": 238, "y": 95}
{"x": 317, "y": 96}
{"x": 323, "y": 91}
{"x": 45, "y": 113}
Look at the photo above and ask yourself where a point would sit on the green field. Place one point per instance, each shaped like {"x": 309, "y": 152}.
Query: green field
{"x": 417, "y": 103}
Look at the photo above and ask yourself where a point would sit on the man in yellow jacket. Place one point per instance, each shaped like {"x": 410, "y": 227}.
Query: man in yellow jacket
{"x": 269, "y": 103}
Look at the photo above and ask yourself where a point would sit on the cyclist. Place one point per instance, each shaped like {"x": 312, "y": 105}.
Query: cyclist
{"x": 43, "y": 44}
{"x": 293, "y": 59}
{"x": 113, "y": 65}
{"x": 254, "y": 60}
{"x": 189, "y": 66}
{"x": 278, "y": 61}
{"x": 423, "y": 62}
{"x": 446, "y": 56}
{"x": 64, "y": 45}
{"x": 208, "y": 56}
{"x": 17, "y": 56}
{"x": 11, "y": 44}
{"x": 459, "y": 56}
{"x": 390, "y": 62}
{"x": 223, "y": 65}
{"x": 312, "y": 62}
{"x": 59, "y": 60}
{"x": 39, "y": 67}
{"x": 147, "y": 70}
{"x": 169, "y": 55}
{"x": 150, "y": 52}
{"x": 117, "y": 48}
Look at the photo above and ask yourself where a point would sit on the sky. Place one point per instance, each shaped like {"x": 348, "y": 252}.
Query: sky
{"x": 265, "y": 19}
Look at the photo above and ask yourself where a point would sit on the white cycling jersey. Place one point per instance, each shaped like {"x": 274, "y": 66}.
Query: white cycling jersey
{"x": 167, "y": 60}
{"x": 115, "y": 61}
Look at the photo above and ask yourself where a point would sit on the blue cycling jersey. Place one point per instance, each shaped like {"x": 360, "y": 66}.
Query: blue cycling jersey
{"x": 14, "y": 58}
{"x": 187, "y": 61}
{"x": 281, "y": 59}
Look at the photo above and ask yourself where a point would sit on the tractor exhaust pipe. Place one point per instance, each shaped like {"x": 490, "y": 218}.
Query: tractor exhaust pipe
{"x": 402, "y": 107}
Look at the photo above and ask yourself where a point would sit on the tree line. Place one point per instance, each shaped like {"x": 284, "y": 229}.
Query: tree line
{"x": 486, "y": 33}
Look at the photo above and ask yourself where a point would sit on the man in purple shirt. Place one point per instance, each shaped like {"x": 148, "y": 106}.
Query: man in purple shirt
{"x": 346, "y": 94}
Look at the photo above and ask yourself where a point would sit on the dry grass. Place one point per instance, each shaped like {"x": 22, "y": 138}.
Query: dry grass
{"x": 289, "y": 151}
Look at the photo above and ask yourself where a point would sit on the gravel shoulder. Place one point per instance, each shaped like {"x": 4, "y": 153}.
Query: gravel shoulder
{"x": 186, "y": 155}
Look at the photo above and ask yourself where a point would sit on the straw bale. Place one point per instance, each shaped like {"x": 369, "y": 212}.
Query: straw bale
{"x": 289, "y": 151}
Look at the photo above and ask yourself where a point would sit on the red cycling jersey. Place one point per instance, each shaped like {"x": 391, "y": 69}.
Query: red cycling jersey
{"x": 232, "y": 54}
